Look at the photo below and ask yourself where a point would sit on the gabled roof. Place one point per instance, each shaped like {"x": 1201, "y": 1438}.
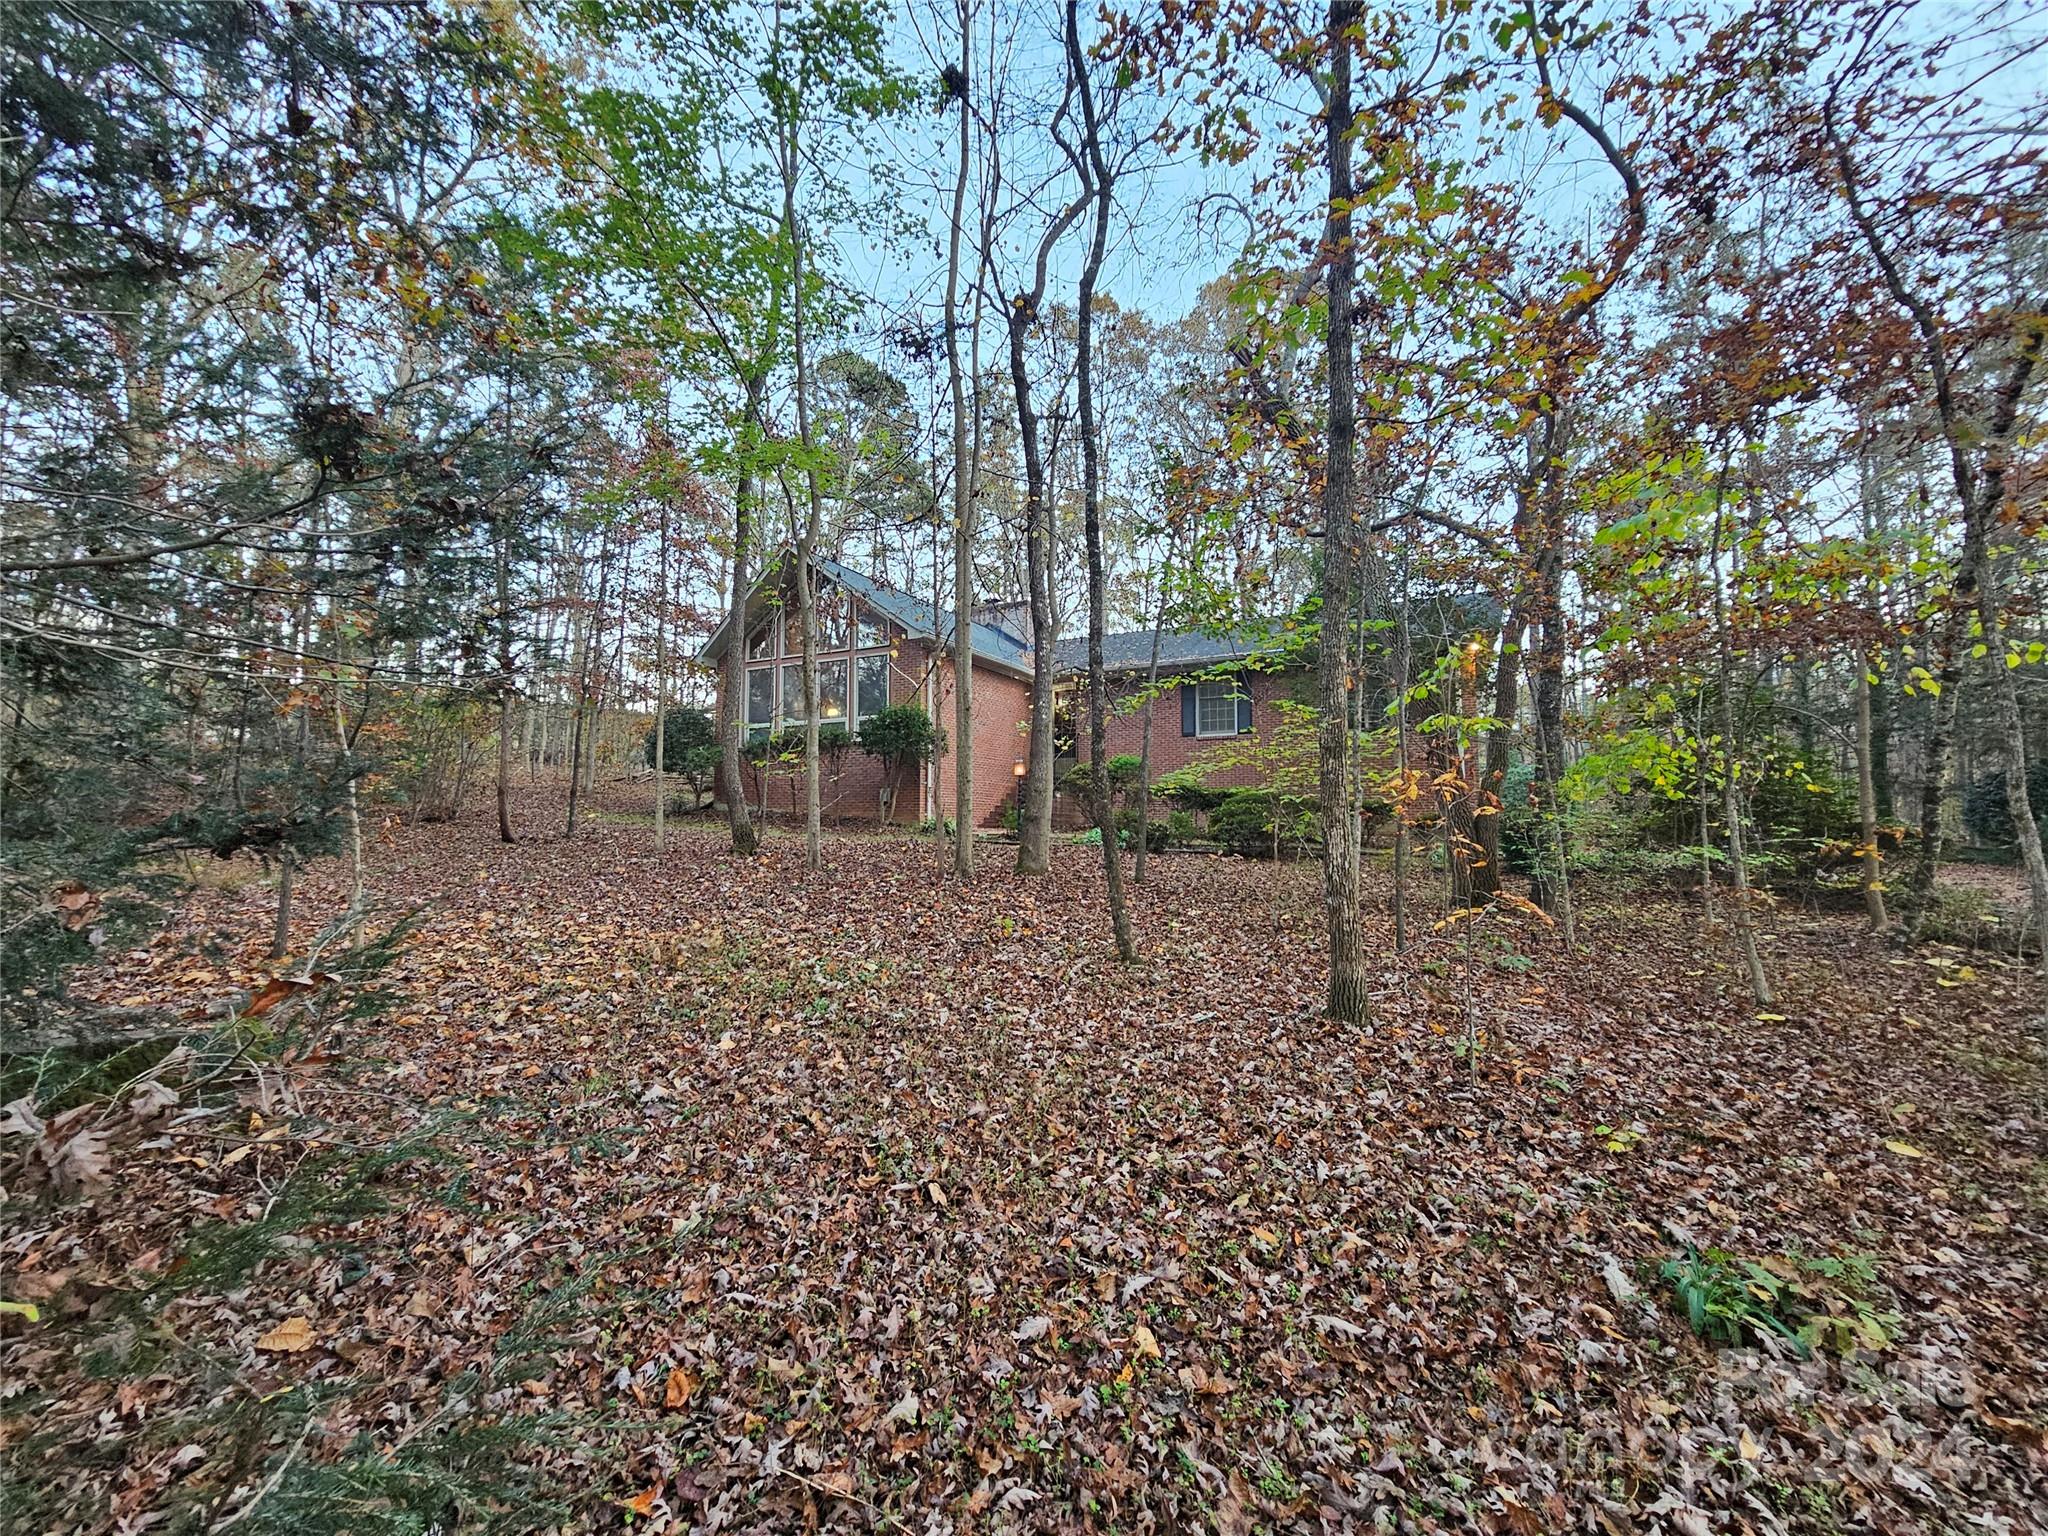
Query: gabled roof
{"x": 1131, "y": 651}
{"x": 991, "y": 643}
{"x": 993, "y": 646}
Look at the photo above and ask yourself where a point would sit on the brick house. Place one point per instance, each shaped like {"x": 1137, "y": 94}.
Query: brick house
{"x": 880, "y": 646}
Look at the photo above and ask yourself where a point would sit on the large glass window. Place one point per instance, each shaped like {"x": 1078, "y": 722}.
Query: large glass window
{"x": 761, "y": 645}
{"x": 832, "y": 691}
{"x": 874, "y": 685}
{"x": 761, "y": 696}
{"x": 874, "y": 629}
{"x": 1216, "y": 708}
{"x": 832, "y": 621}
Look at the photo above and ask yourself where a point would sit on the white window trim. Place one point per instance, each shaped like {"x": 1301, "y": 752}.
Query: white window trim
{"x": 1232, "y": 696}
{"x": 854, "y": 713}
{"x": 767, "y": 669}
{"x": 792, "y": 719}
{"x": 852, "y": 653}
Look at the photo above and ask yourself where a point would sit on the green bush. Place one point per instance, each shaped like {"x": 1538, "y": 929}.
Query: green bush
{"x": 685, "y": 730}
{"x": 1524, "y": 840}
{"x": 1253, "y": 821}
{"x": 1120, "y": 771}
{"x": 774, "y": 746}
{"x": 1188, "y": 795}
{"x": 689, "y": 751}
{"x": 787, "y": 747}
{"x": 1966, "y": 915}
{"x": 902, "y": 733}
{"x": 1131, "y": 824}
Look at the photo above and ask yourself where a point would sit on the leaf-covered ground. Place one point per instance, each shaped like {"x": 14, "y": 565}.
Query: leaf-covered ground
{"x": 685, "y": 1193}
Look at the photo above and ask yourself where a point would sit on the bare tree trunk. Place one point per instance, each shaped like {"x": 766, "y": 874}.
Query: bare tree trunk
{"x": 504, "y": 575}
{"x": 1095, "y": 172}
{"x": 281, "y": 926}
{"x": 733, "y": 704}
{"x": 1731, "y": 802}
{"x": 1552, "y": 888}
{"x": 1866, "y": 802}
{"x": 1145, "y": 734}
{"x": 302, "y": 620}
{"x": 1545, "y": 506}
{"x": 963, "y": 497}
{"x": 661, "y": 684}
{"x": 1034, "y": 823}
{"x": 1507, "y": 676}
{"x": 584, "y": 738}
{"x": 1980, "y": 494}
{"x": 2012, "y": 745}
{"x": 1350, "y": 998}
{"x": 812, "y": 526}
{"x": 1404, "y": 665}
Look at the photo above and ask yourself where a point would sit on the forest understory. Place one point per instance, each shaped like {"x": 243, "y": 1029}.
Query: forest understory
{"x": 692, "y": 1193}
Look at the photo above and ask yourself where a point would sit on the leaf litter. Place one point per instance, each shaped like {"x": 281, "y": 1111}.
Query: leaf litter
{"x": 870, "y": 1202}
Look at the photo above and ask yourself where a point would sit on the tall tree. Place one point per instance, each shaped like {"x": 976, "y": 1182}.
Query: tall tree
{"x": 1350, "y": 997}
{"x": 1099, "y": 178}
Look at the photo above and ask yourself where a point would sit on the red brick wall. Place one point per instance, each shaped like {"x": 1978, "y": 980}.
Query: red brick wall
{"x": 1125, "y": 733}
{"x": 1171, "y": 750}
{"x": 1002, "y": 710}
{"x": 850, "y": 794}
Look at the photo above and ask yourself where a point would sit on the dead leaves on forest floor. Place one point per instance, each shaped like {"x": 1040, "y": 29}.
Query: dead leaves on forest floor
{"x": 870, "y": 1202}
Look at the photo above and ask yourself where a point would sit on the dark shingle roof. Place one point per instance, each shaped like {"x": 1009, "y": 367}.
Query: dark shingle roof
{"x": 992, "y": 644}
{"x": 1132, "y": 650}
{"x": 921, "y": 618}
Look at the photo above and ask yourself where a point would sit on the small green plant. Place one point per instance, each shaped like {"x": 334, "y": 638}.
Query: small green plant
{"x": 1824, "y": 1303}
{"x": 1128, "y": 825}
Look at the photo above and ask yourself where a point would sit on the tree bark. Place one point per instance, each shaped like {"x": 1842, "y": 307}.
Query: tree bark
{"x": 1139, "y": 854}
{"x": 1731, "y": 802}
{"x": 1096, "y": 173}
{"x": 963, "y": 498}
{"x": 733, "y": 705}
{"x": 1507, "y": 675}
{"x": 1866, "y": 800}
{"x": 814, "y": 513}
{"x": 584, "y": 739}
{"x": 661, "y": 682}
{"x": 1034, "y": 822}
{"x": 504, "y": 575}
{"x": 1349, "y": 998}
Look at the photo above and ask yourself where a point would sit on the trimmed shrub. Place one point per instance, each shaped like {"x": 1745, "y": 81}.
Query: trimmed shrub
{"x": 1121, "y": 771}
{"x": 1130, "y": 825}
{"x": 901, "y": 733}
{"x": 1257, "y": 823}
{"x": 1188, "y": 795}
